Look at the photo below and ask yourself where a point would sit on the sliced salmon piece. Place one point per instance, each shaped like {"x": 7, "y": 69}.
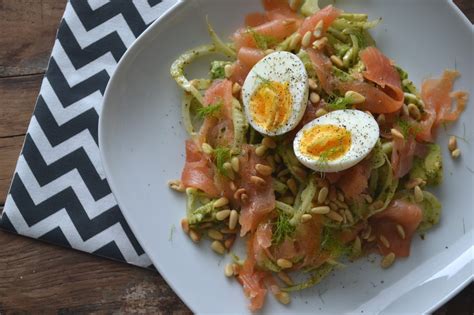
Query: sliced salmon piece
{"x": 438, "y": 98}
{"x": 239, "y": 72}
{"x": 276, "y": 30}
{"x": 251, "y": 279}
{"x": 198, "y": 171}
{"x": 323, "y": 67}
{"x": 401, "y": 212}
{"x": 218, "y": 131}
{"x": 250, "y": 56}
{"x": 327, "y": 15}
{"x": 380, "y": 70}
{"x": 402, "y": 155}
{"x": 355, "y": 180}
{"x": 261, "y": 197}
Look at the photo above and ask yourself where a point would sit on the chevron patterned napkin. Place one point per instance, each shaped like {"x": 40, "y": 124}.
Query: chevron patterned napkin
{"x": 59, "y": 192}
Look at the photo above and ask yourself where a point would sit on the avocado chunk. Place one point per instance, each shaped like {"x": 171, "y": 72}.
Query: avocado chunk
{"x": 430, "y": 168}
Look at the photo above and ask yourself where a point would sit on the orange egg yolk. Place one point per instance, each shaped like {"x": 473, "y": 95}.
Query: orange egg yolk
{"x": 325, "y": 142}
{"x": 271, "y": 105}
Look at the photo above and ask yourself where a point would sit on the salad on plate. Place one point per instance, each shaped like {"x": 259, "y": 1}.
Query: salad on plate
{"x": 311, "y": 144}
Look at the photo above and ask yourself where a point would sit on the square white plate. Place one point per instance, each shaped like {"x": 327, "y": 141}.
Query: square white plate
{"x": 142, "y": 147}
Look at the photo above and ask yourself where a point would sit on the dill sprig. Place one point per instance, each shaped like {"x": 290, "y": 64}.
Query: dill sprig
{"x": 283, "y": 227}
{"x": 221, "y": 155}
{"x": 211, "y": 110}
{"x": 408, "y": 128}
{"x": 262, "y": 41}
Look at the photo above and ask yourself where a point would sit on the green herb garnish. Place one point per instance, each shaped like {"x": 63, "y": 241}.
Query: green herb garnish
{"x": 337, "y": 103}
{"x": 408, "y": 128}
{"x": 262, "y": 41}
{"x": 211, "y": 110}
{"x": 221, "y": 155}
{"x": 283, "y": 227}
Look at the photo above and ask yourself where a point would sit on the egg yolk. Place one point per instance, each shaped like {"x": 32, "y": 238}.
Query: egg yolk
{"x": 326, "y": 142}
{"x": 271, "y": 105}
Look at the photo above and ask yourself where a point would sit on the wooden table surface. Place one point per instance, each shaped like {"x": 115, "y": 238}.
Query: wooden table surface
{"x": 35, "y": 276}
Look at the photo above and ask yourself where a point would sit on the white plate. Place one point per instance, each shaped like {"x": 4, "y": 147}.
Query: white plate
{"x": 142, "y": 143}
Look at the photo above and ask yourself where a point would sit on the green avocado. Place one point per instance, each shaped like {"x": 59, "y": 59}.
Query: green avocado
{"x": 430, "y": 168}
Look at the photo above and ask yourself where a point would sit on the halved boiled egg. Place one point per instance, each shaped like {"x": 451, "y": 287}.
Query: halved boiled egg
{"x": 336, "y": 141}
{"x": 275, "y": 93}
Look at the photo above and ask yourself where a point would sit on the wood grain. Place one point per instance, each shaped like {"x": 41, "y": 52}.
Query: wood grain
{"x": 9, "y": 151}
{"x": 27, "y": 33}
{"x": 37, "y": 277}
{"x": 17, "y": 100}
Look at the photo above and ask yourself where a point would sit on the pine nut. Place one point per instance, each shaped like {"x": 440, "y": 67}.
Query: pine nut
{"x": 177, "y": 185}
{"x": 320, "y": 210}
{"x": 355, "y": 97}
{"x": 222, "y": 201}
{"x": 306, "y": 39}
{"x": 318, "y": 29}
{"x": 368, "y": 198}
{"x": 295, "y": 41}
{"x": 283, "y": 297}
{"x": 228, "y": 71}
{"x": 333, "y": 205}
{"x": 452, "y": 143}
{"x": 405, "y": 111}
{"x": 226, "y": 230}
{"x": 349, "y": 216}
{"x": 195, "y": 236}
{"x": 333, "y": 215}
{"x": 260, "y": 150}
{"x": 239, "y": 192}
{"x": 185, "y": 225}
{"x": 314, "y": 97}
{"x": 222, "y": 215}
{"x": 384, "y": 241}
{"x": 356, "y": 246}
{"x": 340, "y": 196}
{"x": 418, "y": 194}
{"x": 227, "y": 166}
{"x": 269, "y": 142}
{"x": 396, "y": 133}
{"x": 321, "y": 112}
{"x": 228, "y": 270}
{"x": 401, "y": 231}
{"x": 294, "y": 4}
{"x": 236, "y": 88}
{"x": 235, "y": 162}
{"x": 233, "y": 219}
{"x": 320, "y": 43}
{"x": 218, "y": 247}
{"x": 207, "y": 148}
{"x": 215, "y": 235}
{"x": 337, "y": 61}
{"x": 414, "y": 182}
{"x": 387, "y": 261}
{"x": 456, "y": 153}
{"x": 291, "y": 183}
{"x": 312, "y": 84}
{"x": 414, "y": 111}
{"x": 269, "y": 51}
{"x": 306, "y": 217}
{"x": 263, "y": 170}
{"x": 256, "y": 180}
{"x": 323, "y": 194}
{"x": 285, "y": 278}
{"x": 284, "y": 263}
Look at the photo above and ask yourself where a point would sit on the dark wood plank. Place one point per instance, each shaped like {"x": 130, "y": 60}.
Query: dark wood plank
{"x": 35, "y": 277}
{"x": 467, "y": 7}
{"x": 9, "y": 151}
{"x": 27, "y": 32}
{"x": 17, "y": 100}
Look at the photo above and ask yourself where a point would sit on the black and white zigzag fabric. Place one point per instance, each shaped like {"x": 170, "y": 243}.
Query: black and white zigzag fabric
{"x": 59, "y": 192}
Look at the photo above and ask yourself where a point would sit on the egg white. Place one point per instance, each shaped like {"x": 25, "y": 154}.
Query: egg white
{"x": 364, "y": 135}
{"x": 280, "y": 66}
